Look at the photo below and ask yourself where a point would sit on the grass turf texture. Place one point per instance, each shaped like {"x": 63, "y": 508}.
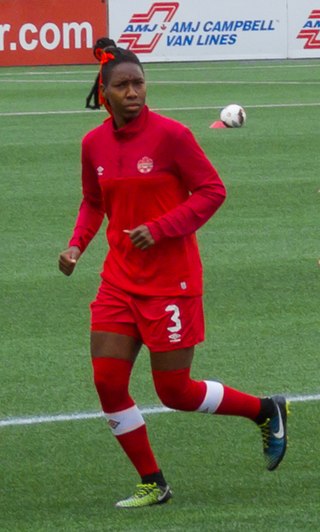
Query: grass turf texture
{"x": 262, "y": 292}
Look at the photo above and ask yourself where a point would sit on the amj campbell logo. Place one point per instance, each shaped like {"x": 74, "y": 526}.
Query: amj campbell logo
{"x": 141, "y": 24}
{"x": 311, "y": 30}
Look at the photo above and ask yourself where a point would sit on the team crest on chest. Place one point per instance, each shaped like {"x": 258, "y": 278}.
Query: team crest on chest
{"x": 145, "y": 165}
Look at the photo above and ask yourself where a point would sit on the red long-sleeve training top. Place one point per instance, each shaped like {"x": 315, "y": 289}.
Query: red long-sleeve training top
{"x": 152, "y": 172}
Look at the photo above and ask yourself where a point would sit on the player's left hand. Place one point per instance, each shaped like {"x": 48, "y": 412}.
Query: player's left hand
{"x": 140, "y": 237}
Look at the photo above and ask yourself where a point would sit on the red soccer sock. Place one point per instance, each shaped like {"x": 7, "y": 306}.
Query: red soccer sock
{"x": 235, "y": 403}
{"x": 111, "y": 377}
{"x": 137, "y": 447}
{"x": 178, "y": 391}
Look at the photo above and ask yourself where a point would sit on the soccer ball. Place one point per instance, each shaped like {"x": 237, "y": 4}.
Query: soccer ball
{"x": 233, "y": 115}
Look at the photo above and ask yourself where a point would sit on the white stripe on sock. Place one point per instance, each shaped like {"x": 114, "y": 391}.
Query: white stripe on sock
{"x": 125, "y": 421}
{"x": 213, "y": 397}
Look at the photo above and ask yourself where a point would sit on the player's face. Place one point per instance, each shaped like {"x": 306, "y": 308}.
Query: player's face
{"x": 126, "y": 92}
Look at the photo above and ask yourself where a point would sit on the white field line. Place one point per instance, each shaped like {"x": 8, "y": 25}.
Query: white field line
{"x": 229, "y": 65}
{"x": 229, "y": 82}
{"x": 147, "y": 69}
{"x": 36, "y": 420}
{"x": 170, "y": 82}
{"x": 161, "y": 109}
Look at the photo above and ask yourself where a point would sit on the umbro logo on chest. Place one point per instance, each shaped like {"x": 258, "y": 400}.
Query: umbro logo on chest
{"x": 100, "y": 170}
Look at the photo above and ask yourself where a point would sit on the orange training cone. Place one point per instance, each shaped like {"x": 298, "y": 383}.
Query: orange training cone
{"x": 218, "y": 124}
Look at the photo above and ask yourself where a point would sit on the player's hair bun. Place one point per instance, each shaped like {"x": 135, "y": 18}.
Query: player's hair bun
{"x": 102, "y": 45}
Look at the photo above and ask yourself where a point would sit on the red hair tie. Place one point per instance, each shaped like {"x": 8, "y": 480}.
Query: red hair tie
{"x": 104, "y": 57}
{"x": 98, "y": 53}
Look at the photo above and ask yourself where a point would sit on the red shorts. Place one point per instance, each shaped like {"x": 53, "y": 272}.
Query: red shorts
{"x": 161, "y": 323}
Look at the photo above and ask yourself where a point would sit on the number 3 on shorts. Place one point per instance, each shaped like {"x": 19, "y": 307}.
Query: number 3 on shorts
{"x": 175, "y": 318}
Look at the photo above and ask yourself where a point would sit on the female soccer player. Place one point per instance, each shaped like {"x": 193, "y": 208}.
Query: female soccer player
{"x": 151, "y": 179}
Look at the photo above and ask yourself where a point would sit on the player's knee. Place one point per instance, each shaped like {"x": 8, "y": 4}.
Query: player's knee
{"x": 172, "y": 388}
{"x": 103, "y": 377}
{"x": 168, "y": 396}
{"x": 111, "y": 379}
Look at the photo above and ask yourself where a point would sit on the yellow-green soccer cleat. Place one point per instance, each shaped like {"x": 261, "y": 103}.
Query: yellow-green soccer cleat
{"x": 274, "y": 433}
{"x": 146, "y": 495}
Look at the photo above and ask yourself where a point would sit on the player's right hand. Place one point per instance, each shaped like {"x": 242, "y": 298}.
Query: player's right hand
{"x": 68, "y": 260}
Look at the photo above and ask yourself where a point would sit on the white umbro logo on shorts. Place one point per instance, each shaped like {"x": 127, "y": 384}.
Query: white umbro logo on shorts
{"x": 175, "y": 337}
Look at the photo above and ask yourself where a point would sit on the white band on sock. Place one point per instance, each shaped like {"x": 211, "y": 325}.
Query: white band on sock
{"x": 125, "y": 421}
{"x": 213, "y": 397}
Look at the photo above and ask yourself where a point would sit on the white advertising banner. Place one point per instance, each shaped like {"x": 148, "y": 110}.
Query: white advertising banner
{"x": 189, "y": 30}
{"x": 303, "y": 28}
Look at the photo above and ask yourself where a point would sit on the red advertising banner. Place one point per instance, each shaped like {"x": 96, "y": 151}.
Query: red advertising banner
{"x": 50, "y": 32}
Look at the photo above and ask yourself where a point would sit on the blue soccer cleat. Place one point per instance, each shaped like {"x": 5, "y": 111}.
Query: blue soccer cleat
{"x": 274, "y": 433}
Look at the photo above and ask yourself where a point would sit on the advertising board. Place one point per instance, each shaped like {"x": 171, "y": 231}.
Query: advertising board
{"x": 50, "y": 32}
{"x": 303, "y": 28}
{"x": 207, "y": 30}
{"x": 53, "y": 32}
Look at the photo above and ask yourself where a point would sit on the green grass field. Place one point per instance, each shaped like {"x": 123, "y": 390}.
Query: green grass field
{"x": 262, "y": 307}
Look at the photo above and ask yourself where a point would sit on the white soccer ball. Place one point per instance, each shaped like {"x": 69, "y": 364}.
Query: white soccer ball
{"x": 233, "y": 115}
